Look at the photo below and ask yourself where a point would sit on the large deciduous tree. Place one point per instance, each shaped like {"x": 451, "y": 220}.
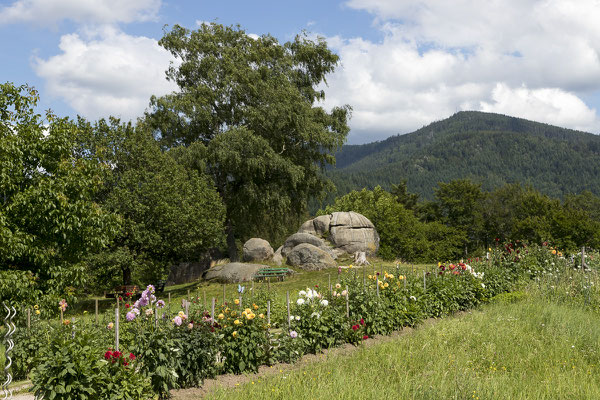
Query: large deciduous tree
{"x": 48, "y": 218}
{"x": 250, "y": 108}
{"x": 168, "y": 213}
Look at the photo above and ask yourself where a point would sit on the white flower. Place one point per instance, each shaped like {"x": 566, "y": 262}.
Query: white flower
{"x": 413, "y": 298}
{"x": 483, "y": 286}
{"x": 297, "y": 318}
{"x": 300, "y": 302}
{"x": 149, "y": 311}
{"x": 324, "y": 303}
{"x": 302, "y": 293}
{"x": 316, "y": 315}
{"x": 344, "y": 292}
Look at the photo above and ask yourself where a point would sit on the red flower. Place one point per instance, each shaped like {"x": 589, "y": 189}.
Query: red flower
{"x": 128, "y": 294}
{"x": 362, "y": 321}
{"x": 355, "y": 327}
{"x": 365, "y": 337}
{"x": 127, "y": 305}
{"x": 131, "y": 356}
{"x": 108, "y": 355}
{"x": 125, "y": 363}
{"x": 440, "y": 273}
{"x": 120, "y": 298}
{"x": 317, "y": 286}
{"x": 117, "y": 354}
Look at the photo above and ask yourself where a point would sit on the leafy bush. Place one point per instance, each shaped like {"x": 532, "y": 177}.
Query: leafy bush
{"x": 74, "y": 366}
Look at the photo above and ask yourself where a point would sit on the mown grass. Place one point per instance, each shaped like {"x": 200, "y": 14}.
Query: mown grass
{"x": 522, "y": 346}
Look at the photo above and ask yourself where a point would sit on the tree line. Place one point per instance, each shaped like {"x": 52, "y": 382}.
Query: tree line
{"x": 463, "y": 220}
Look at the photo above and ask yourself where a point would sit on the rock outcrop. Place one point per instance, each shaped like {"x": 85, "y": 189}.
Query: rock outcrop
{"x": 257, "y": 249}
{"x": 353, "y": 232}
{"x": 309, "y": 257}
{"x": 232, "y": 272}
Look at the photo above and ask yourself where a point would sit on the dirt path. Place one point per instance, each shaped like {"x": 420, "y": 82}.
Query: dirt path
{"x": 230, "y": 380}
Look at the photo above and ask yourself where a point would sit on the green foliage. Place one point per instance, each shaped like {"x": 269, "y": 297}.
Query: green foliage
{"x": 19, "y": 288}
{"x": 72, "y": 366}
{"x": 168, "y": 213}
{"x": 48, "y": 218}
{"x": 243, "y": 338}
{"x": 401, "y": 234}
{"x": 248, "y": 112}
{"x": 197, "y": 351}
{"x": 319, "y": 322}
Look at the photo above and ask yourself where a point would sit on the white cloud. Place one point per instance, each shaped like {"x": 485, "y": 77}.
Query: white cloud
{"x": 106, "y": 73}
{"x": 553, "y": 106}
{"x": 48, "y": 12}
{"x": 531, "y": 58}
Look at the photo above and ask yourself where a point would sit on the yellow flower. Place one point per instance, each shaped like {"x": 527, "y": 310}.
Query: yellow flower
{"x": 391, "y": 276}
{"x": 227, "y": 309}
{"x": 261, "y": 315}
{"x": 237, "y": 302}
{"x": 237, "y": 322}
{"x": 221, "y": 316}
{"x": 553, "y": 251}
{"x": 37, "y": 312}
{"x": 337, "y": 286}
{"x": 85, "y": 312}
{"x": 559, "y": 254}
{"x": 401, "y": 277}
{"x": 181, "y": 314}
{"x": 234, "y": 334}
{"x": 370, "y": 276}
{"x": 36, "y": 307}
{"x": 439, "y": 264}
{"x": 247, "y": 311}
{"x": 251, "y": 315}
{"x": 386, "y": 284}
{"x": 490, "y": 249}
{"x": 255, "y": 306}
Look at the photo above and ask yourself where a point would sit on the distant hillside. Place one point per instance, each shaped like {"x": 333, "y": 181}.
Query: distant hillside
{"x": 490, "y": 149}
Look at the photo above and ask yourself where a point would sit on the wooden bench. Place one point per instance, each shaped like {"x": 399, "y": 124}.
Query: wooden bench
{"x": 123, "y": 290}
{"x": 273, "y": 272}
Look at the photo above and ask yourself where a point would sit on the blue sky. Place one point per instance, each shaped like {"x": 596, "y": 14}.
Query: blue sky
{"x": 403, "y": 65}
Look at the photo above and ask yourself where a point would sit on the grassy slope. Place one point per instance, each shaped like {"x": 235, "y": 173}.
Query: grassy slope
{"x": 530, "y": 349}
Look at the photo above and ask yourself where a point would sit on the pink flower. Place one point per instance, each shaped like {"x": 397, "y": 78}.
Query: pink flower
{"x": 177, "y": 320}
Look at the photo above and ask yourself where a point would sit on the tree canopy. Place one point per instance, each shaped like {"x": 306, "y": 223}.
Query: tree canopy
{"x": 249, "y": 108}
{"x": 49, "y": 220}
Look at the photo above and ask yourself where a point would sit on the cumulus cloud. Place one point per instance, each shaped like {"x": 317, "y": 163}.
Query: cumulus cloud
{"x": 534, "y": 58}
{"x": 48, "y": 12}
{"x": 106, "y": 72}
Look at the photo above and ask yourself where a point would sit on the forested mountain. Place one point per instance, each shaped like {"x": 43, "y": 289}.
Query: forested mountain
{"x": 486, "y": 148}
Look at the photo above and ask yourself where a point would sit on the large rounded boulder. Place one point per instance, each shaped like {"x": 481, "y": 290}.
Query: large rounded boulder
{"x": 257, "y": 249}
{"x": 309, "y": 257}
{"x": 304, "y": 238}
{"x": 353, "y": 232}
{"x": 232, "y": 272}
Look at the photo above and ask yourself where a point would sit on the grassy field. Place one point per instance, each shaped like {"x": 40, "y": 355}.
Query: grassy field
{"x": 299, "y": 280}
{"x": 523, "y": 346}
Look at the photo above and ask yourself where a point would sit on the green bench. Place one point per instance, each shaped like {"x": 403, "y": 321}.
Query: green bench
{"x": 272, "y": 272}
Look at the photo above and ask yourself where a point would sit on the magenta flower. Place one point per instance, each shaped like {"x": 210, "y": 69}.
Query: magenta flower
{"x": 130, "y": 316}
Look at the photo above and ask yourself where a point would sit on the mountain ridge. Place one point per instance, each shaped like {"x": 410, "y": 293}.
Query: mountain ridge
{"x": 491, "y": 149}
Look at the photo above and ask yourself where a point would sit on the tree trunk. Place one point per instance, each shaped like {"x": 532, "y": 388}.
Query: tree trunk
{"x": 231, "y": 246}
{"x": 127, "y": 276}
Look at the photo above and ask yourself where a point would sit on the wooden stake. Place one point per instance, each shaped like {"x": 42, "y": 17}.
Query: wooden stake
{"x": 347, "y": 304}
{"x": 583, "y": 258}
{"x": 96, "y": 307}
{"x": 116, "y": 329}
{"x": 212, "y": 312}
{"x": 28, "y": 318}
{"x": 188, "y": 296}
{"x": 61, "y": 316}
{"x": 269, "y": 312}
{"x": 287, "y": 298}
